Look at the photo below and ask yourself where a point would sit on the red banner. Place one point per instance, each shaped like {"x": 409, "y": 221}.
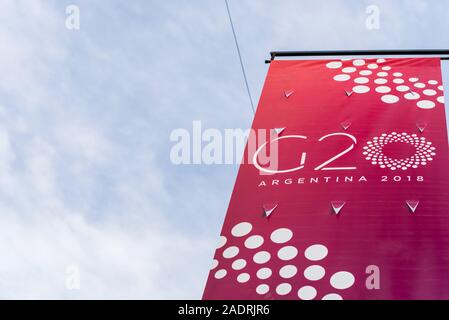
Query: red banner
{"x": 354, "y": 203}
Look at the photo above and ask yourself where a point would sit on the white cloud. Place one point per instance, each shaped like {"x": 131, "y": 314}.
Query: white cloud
{"x": 75, "y": 190}
{"x": 115, "y": 261}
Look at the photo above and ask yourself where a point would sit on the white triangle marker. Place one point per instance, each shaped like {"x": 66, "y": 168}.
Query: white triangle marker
{"x": 279, "y": 130}
{"x": 348, "y": 93}
{"x": 421, "y": 127}
{"x": 268, "y": 209}
{"x": 337, "y": 205}
{"x": 288, "y": 93}
{"x": 412, "y": 205}
{"x": 345, "y": 125}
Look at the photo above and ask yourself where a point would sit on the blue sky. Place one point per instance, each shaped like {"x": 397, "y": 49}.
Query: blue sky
{"x": 85, "y": 173}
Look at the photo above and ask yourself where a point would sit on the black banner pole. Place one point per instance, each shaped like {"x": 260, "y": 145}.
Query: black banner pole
{"x": 412, "y": 52}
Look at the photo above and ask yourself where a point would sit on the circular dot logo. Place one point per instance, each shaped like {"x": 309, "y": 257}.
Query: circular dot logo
{"x": 399, "y": 151}
{"x": 242, "y": 258}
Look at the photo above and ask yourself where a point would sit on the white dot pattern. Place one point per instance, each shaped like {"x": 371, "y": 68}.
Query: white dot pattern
{"x": 380, "y": 81}
{"x": 342, "y": 77}
{"x": 241, "y": 229}
{"x": 283, "y": 289}
{"x": 221, "y": 242}
{"x": 349, "y": 70}
{"x": 342, "y": 280}
{"x": 262, "y": 257}
{"x": 281, "y": 235}
{"x": 390, "y": 98}
{"x": 264, "y": 273}
{"x": 220, "y": 274}
{"x": 332, "y": 296}
{"x": 426, "y": 104}
{"x": 334, "y": 65}
{"x": 239, "y": 246}
{"x": 262, "y": 289}
{"x": 243, "y": 277}
{"x": 314, "y": 273}
{"x": 361, "y": 80}
{"x": 230, "y": 252}
{"x": 316, "y": 252}
{"x": 239, "y": 264}
{"x": 254, "y": 242}
{"x": 360, "y": 89}
{"x": 287, "y": 253}
{"x": 373, "y": 151}
{"x": 307, "y": 293}
{"x": 402, "y": 83}
{"x": 383, "y": 89}
{"x": 288, "y": 271}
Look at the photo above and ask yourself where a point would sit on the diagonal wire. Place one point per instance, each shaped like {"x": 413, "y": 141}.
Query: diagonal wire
{"x": 240, "y": 57}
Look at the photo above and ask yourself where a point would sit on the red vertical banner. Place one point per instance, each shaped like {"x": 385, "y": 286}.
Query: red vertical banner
{"x": 354, "y": 204}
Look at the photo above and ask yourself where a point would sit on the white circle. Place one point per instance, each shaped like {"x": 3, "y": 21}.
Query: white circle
{"x": 412, "y": 96}
{"x": 262, "y": 289}
{"x": 397, "y": 74}
{"x": 314, "y": 273}
{"x": 382, "y": 74}
{"x": 342, "y": 280}
{"x": 381, "y": 60}
{"x": 307, "y": 293}
{"x": 361, "y": 80}
{"x": 332, "y": 296}
{"x": 239, "y": 264}
{"x": 221, "y": 242}
{"x": 440, "y": 88}
{"x": 402, "y": 88}
{"x": 380, "y": 81}
{"x": 372, "y": 66}
{"x": 389, "y": 98}
{"x": 342, "y": 77}
{"x": 440, "y": 99}
{"x": 283, "y": 289}
{"x": 214, "y": 264}
{"x": 241, "y": 229}
{"x": 386, "y": 68}
{"x": 243, "y": 277}
{"x": 288, "y": 271}
{"x": 429, "y": 92}
{"x": 433, "y": 82}
{"x": 413, "y": 79}
{"x": 220, "y": 274}
{"x": 426, "y": 104}
{"x": 261, "y": 257}
{"x": 231, "y": 252}
{"x": 316, "y": 252}
{"x": 281, "y": 235}
{"x": 254, "y": 242}
{"x": 349, "y": 69}
{"x": 334, "y": 65}
{"x": 287, "y": 253}
{"x": 365, "y": 72}
{"x": 420, "y": 85}
{"x": 360, "y": 89}
{"x": 358, "y": 62}
{"x": 398, "y": 80}
{"x": 383, "y": 89}
{"x": 264, "y": 273}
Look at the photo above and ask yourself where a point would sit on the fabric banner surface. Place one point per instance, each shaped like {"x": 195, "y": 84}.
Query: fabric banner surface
{"x": 353, "y": 201}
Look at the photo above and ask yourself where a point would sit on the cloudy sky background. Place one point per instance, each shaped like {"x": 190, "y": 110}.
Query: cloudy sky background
{"x": 85, "y": 119}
